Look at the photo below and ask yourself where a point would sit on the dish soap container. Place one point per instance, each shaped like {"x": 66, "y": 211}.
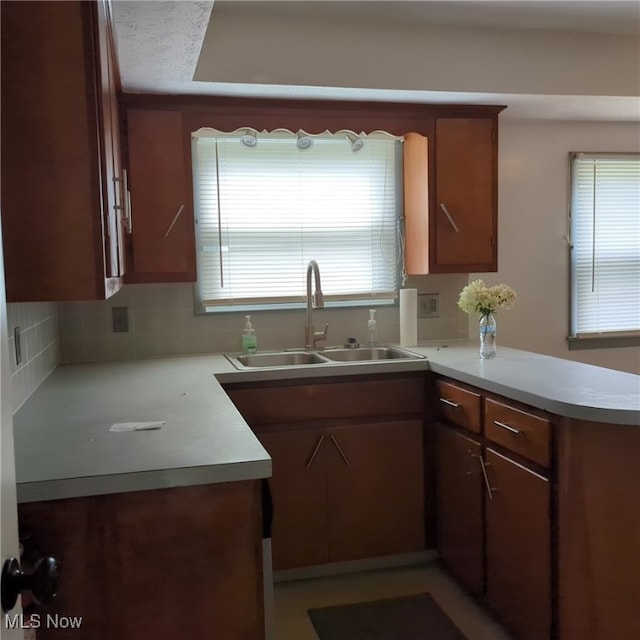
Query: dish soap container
{"x": 249, "y": 340}
{"x": 372, "y": 327}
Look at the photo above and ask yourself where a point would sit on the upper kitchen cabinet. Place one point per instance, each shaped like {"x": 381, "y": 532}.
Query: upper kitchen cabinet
{"x": 162, "y": 247}
{"x": 451, "y": 210}
{"x": 62, "y": 203}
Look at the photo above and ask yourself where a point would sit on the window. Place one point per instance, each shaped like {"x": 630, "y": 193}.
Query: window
{"x": 605, "y": 249}
{"x": 265, "y": 209}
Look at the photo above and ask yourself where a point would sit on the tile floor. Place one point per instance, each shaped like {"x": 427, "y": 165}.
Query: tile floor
{"x": 292, "y": 599}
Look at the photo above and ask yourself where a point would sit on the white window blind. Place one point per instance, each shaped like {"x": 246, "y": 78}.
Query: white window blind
{"x": 605, "y": 236}
{"x": 263, "y": 213}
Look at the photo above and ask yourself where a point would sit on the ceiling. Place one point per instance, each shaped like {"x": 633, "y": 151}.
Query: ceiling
{"x": 159, "y": 45}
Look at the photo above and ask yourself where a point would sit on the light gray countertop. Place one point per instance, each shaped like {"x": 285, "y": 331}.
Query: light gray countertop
{"x": 564, "y": 387}
{"x": 64, "y": 447}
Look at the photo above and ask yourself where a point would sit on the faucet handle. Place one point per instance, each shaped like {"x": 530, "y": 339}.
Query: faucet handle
{"x": 320, "y": 335}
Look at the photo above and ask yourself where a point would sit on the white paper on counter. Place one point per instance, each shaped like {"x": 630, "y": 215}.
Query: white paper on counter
{"x": 136, "y": 426}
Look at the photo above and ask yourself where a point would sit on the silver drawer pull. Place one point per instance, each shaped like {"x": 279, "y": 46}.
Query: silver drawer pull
{"x": 502, "y": 425}
{"x": 449, "y": 217}
{"x": 175, "y": 219}
{"x": 315, "y": 452}
{"x": 341, "y": 452}
{"x": 484, "y": 466}
{"x": 450, "y": 403}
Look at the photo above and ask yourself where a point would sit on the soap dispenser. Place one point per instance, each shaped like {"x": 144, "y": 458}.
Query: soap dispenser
{"x": 249, "y": 340}
{"x": 372, "y": 327}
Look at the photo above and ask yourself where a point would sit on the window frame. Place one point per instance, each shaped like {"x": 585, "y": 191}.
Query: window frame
{"x": 606, "y": 339}
{"x": 337, "y": 301}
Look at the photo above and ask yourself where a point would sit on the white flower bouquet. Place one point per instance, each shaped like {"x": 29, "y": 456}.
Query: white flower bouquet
{"x": 476, "y": 297}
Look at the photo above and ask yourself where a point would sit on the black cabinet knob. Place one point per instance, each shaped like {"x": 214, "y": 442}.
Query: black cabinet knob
{"x": 42, "y": 581}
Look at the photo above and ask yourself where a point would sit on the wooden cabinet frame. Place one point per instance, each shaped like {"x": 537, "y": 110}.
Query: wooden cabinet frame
{"x": 515, "y": 571}
{"x": 423, "y": 223}
{"x": 593, "y": 503}
{"x": 349, "y": 456}
{"x": 61, "y": 232}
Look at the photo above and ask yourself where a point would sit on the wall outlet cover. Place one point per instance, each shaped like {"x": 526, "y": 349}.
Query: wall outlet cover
{"x": 429, "y": 305}
{"x": 120, "y": 318}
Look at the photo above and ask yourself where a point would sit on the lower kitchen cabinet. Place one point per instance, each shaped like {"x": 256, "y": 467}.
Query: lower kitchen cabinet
{"x": 493, "y": 504}
{"x": 349, "y": 470}
{"x": 346, "y": 492}
{"x": 518, "y": 539}
{"x": 459, "y": 523}
{"x": 299, "y": 491}
{"x": 375, "y": 493}
{"x": 171, "y": 563}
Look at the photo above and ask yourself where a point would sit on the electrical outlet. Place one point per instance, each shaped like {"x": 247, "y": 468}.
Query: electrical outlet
{"x": 429, "y": 305}
{"x": 18, "y": 345}
{"x": 120, "y": 317}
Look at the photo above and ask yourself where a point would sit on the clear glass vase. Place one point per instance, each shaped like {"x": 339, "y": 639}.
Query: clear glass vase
{"x": 487, "y": 337}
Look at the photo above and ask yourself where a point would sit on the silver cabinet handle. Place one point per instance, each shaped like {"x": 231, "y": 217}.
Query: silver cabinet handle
{"x": 129, "y": 213}
{"x": 344, "y": 457}
{"x": 125, "y": 201}
{"x": 502, "y": 425}
{"x": 450, "y": 403}
{"x": 449, "y": 218}
{"x": 175, "y": 219}
{"x": 315, "y": 452}
{"x": 484, "y": 466}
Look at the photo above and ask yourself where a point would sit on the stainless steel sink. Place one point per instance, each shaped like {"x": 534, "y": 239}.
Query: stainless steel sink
{"x": 331, "y": 355}
{"x": 367, "y": 353}
{"x": 275, "y": 359}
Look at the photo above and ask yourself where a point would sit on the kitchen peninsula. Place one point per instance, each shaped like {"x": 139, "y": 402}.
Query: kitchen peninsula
{"x": 179, "y": 506}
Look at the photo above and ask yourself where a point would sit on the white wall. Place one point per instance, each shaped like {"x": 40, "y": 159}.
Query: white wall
{"x": 533, "y": 253}
{"x": 301, "y": 46}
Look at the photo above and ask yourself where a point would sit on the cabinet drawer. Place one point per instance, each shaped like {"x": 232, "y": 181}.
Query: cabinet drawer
{"x": 320, "y": 401}
{"x": 459, "y": 405}
{"x": 517, "y": 430}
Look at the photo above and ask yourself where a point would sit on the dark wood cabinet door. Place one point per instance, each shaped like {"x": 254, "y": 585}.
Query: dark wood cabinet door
{"x": 375, "y": 476}
{"x": 58, "y": 224}
{"x": 113, "y": 195}
{"x": 162, "y": 239}
{"x": 299, "y": 490}
{"x": 519, "y": 548}
{"x": 464, "y": 214}
{"x": 459, "y": 506}
{"x": 171, "y": 563}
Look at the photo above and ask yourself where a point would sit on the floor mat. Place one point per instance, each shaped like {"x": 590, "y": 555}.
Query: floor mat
{"x": 415, "y": 617}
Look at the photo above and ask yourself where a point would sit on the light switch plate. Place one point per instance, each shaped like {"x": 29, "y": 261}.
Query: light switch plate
{"x": 429, "y": 305}
{"x": 17, "y": 345}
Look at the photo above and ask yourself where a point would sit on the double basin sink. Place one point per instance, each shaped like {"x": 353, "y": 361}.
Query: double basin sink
{"x": 296, "y": 358}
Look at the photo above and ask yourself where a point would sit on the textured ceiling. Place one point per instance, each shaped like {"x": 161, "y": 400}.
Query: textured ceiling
{"x": 159, "y": 44}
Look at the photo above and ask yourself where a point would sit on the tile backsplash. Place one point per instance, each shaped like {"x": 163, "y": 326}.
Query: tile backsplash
{"x": 38, "y": 326}
{"x": 161, "y": 322}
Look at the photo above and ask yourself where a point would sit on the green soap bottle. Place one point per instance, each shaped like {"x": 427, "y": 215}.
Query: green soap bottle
{"x": 249, "y": 340}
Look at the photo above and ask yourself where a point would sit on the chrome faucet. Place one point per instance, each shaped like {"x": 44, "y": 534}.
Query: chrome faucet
{"x": 311, "y": 336}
